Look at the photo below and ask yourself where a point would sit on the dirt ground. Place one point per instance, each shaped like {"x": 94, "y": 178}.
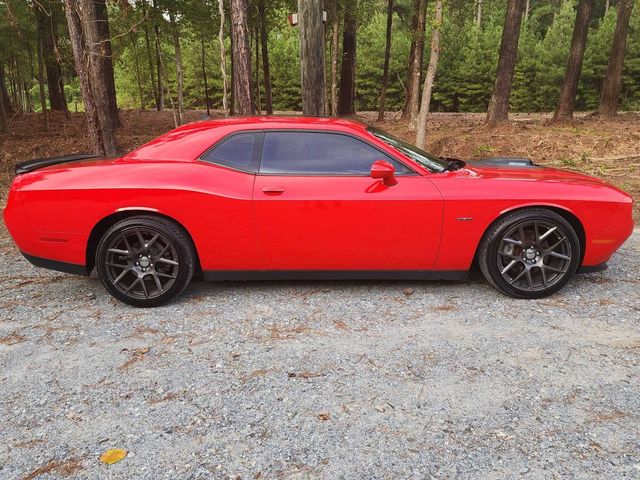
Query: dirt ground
{"x": 606, "y": 149}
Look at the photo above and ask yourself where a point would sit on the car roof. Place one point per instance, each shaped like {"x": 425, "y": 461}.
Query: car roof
{"x": 274, "y": 121}
{"x": 189, "y": 141}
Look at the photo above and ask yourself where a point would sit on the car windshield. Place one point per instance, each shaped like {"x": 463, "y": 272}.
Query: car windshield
{"x": 428, "y": 161}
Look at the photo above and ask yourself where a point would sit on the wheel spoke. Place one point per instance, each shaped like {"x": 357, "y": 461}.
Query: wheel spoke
{"x": 165, "y": 275}
{"x": 544, "y": 276}
{"x": 158, "y": 283}
{"x": 118, "y": 251}
{"x": 144, "y": 287}
{"x": 529, "y": 278}
{"x": 517, "y": 277}
{"x": 556, "y": 245}
{"x": 559, "y": 255}
{"x": 133, "y": 284}
{"x": 547, "y": 233}
{"x": 140, "y": 238}
{"x": 508, "y": 267}
{"x": 166, "y": 260}
{"x": 121, "y": 276}
{"x": 152, "y": 241}
{"x": 513, "y": 241}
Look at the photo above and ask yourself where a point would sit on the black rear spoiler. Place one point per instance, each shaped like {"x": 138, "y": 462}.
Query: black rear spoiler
{"x": 37, "y": 163}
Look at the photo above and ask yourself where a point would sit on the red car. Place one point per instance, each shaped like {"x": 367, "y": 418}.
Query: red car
{"x": 308, "y": 198}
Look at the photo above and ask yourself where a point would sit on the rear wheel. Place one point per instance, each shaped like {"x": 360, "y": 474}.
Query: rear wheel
{"x": 145, "y": 261}
{"x": 530, "y": 253}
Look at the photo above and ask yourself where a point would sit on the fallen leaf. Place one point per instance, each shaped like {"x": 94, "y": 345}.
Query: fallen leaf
{"x": 113, "y": 455}
{"x": 324, "y": 416}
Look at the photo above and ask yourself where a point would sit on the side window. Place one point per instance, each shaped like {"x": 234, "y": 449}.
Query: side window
{"x": 313, "y": 153}
{"x": 234, "y": 152}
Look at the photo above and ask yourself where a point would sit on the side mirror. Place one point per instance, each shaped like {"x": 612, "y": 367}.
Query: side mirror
{"x": 385, "y": 171}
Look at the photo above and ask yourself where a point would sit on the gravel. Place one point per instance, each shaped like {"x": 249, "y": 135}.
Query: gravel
{"x": 320, "y": 379}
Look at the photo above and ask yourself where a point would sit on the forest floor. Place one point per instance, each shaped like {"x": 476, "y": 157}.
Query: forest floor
{"x": 607, "y": 149}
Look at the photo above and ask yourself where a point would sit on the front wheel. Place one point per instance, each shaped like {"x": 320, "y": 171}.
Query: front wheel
{"x": 530, "y": 253}
{"x": 145, "y": 261}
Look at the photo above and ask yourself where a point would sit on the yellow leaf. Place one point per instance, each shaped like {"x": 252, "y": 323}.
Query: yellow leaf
{"x": 113, "y": 455}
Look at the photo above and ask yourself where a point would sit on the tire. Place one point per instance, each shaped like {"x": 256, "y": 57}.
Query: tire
{"x": 145, "y": 261}
{"x": 537, "y": 241}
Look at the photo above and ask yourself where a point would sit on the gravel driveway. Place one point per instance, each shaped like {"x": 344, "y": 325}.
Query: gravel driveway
{"x": 321, "y": 379}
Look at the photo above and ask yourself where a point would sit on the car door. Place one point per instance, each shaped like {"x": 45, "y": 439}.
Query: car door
{"x": 317, "y": 208}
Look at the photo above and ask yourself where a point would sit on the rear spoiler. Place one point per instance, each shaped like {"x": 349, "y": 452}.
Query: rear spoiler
{"x": 37, "y": 163}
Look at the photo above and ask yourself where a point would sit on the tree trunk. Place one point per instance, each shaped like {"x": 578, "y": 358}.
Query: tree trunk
{"x": 3, "y": 104}
{"x": 93, "y": 87}
{"x": 256, "y": 35}
{"x": 410, "y": 109}
{"x": 105, "y": 54}
{"x": 134, "y": 41}
{"x": 47, "y": 29}
{"x": 478, "y": 20}
{"x": 149, "y": 55}
{"x": 223, "y": 60}
{"x": 430, "y": 77}
{"x": 43, "y": 95}
{"x": 242, "y": 78}
{"x": 266, "y": 73}
{"x": 6, "y": 99}
{"x": 387, "y": 54}
{"x": 613, "y": 77}
{"x": 179, "y": 72}
{"x": 346, "y": 99}
{"x": 566, "y": 104}
{"x": 335, "y": 39}
{"x": 156, "y": 28}
{"x": 499, "y": 106}
{"x": 311, "y": 32}
{"x": 204, "y": 77}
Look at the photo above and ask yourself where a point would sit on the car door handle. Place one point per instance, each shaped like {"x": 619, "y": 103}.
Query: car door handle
{"x": 274, "y": 190}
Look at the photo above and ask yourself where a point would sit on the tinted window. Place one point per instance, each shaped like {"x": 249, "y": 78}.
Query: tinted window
{"x": 310, "y": 153}
{"x": 234, "y": 152}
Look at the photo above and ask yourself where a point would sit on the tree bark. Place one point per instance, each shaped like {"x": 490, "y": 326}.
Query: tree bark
{"x": 478, "y": 19}
{"x": 410, "y": 109}
{"x": 47, "y": 29}
{"x": 204, "y": 77}
{"x": 6, "y": 98}
{"x": 385, "y": 70}
{"x": 242, "y": 79}
{"x": 156, "y": 29}
{"x": 257, "y": 80}
{"x": 149, "y": 54}
{"x": 105, "y": 54}
{"x": 346, "y": 99}
{"x": 266, "y": 73}
{"x": 93, "y": 87}
{"x": 179, "y": 70}
{"x": 566, "y": 104}
{"x": 335, "y": 39}
{"x": 223, "y": 60}
{"x": 43, "y": 96}
{"x": 134, "y": 41}
{"x": 613, "y": 77}
{"x": 499, "y": 106}
{"x": 430, "y": 77}
{"x": 311, "y": 32}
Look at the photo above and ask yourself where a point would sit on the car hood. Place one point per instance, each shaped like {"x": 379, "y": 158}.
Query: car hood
{"x": 529, "y": 173}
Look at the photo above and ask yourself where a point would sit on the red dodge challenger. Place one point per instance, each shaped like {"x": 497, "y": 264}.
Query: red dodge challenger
{"x": 308, "y": 198}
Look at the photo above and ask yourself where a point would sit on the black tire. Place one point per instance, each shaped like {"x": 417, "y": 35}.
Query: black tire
{"x": 145, "y": 261}
{"x": 517, "y": 258}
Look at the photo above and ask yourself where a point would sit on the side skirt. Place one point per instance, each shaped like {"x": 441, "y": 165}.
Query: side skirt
{"x": 55, "y": 265}
{"x": 246, "y": 275}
